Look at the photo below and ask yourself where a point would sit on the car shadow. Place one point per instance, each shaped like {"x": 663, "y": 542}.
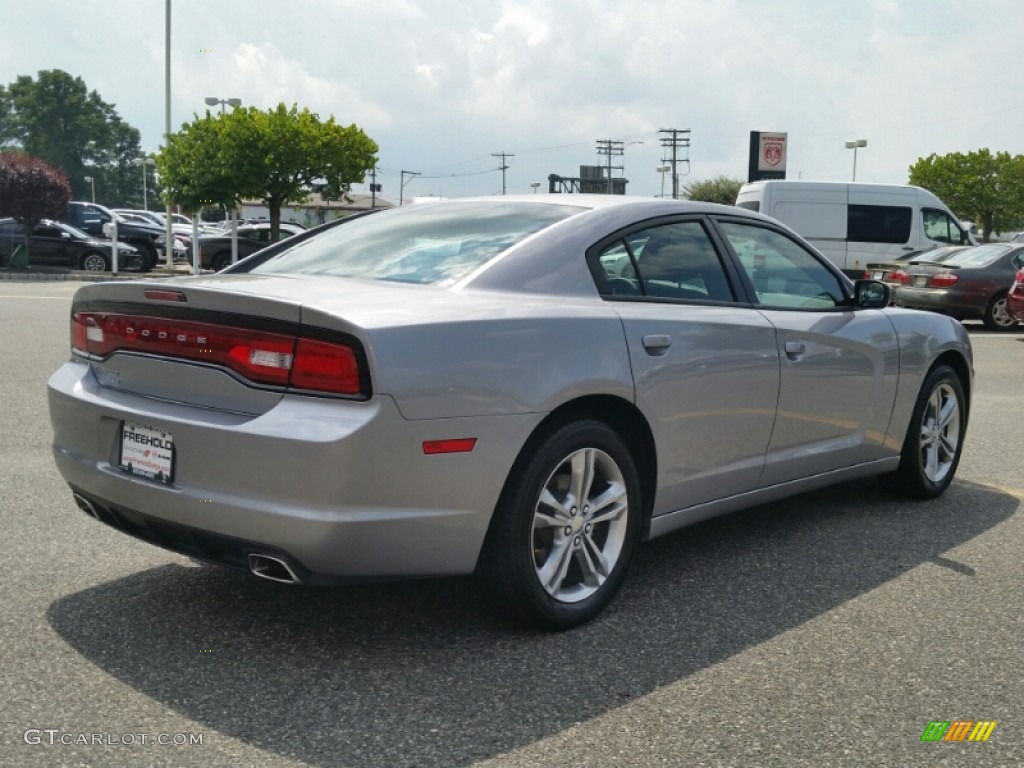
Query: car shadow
{"x": 428, "y": 673}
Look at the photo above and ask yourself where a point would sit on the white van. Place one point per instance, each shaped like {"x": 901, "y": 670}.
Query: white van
{"x": 855, "y": 224}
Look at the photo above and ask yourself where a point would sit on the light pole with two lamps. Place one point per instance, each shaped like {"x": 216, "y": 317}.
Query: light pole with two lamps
{"x": 214, "y": 101}
{"x": 854, "y": 144}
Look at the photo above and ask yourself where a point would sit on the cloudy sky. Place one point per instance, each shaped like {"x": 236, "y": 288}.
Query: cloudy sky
{"x": 441, "y": 85}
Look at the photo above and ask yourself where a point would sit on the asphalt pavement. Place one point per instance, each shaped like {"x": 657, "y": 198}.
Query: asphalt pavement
{"x": 825, "y": 630}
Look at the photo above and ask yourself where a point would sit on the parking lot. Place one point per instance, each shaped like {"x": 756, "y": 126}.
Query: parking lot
{"x": 826, "y": 630}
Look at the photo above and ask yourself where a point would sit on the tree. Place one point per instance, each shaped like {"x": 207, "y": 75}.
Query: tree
{"x": 57, "y": 119}
{"x": 31, "y": 190}
{"x": 985, "y": 188}
{"x": 275, "y": 155}
{"x": 720, "y": 189}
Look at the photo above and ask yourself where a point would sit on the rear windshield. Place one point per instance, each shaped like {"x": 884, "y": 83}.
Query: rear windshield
{"x": 981, "y": 256}
{"x": 427, "y": 243}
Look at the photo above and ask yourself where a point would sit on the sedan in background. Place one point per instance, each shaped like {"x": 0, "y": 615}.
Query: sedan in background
{"x": 970, "y": 285}
{"x": 1015, "y": 298}
{"x": 61, "y": 245}
{"x": 479, "y": 385}
{"x": 894, "y": 272}
{"x": 215, "y": 250}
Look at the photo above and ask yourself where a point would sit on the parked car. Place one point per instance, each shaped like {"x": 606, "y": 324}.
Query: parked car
{"x": 1015, "y": 298}
{"x": 55, "y": 244}
{"x": 971, "y": 284}
{"x": 894, "y": 271}
{"x": 148, "y": 240}
{"x": 476, "y": 385}
{"x": 215, "y": 250}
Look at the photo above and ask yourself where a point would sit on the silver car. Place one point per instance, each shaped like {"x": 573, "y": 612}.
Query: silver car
{"x": 520, "y": 386}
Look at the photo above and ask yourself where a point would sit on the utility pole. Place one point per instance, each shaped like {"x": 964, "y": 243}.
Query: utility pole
{"x": 676, "y": 139}
{"x": 503, "y": 167}
{"x": 374, "y": 188}
{"x": 401, "y": 184}
{"x": 610, "y": 147}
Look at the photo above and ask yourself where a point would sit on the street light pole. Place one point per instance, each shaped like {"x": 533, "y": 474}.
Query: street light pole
{"x": 663, "y": 169}
{"x": 144, "y": 161}
{"x": 92, "y": 183}
{"x": 853, "y": 144}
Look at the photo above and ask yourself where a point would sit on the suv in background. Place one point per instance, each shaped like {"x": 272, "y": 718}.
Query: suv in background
{"x": 147, "y": 239}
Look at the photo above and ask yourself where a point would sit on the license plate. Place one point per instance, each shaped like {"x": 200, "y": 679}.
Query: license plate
{"x": 921, "y": 280}
{"x": 877, "y": 275}
{"x": 146, "y": 451}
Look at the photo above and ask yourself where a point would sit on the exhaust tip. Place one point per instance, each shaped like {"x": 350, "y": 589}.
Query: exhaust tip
{"x": 272, "y": 569}
{"x": 86, "y": 506}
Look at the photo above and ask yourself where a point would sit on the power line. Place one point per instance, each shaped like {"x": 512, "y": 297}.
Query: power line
{"x": 610, "y": 148}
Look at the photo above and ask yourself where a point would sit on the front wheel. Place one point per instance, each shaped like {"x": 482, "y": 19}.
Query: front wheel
{"x": 221, "y": 261}
{"x": 996, "y": 317}
{"x": 94, "y": 262}
{"x": 935, "y": 437}
{"x": 565, "y": 527}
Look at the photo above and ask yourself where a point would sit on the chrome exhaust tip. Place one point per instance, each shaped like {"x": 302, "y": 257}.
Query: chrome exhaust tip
{"x": 86, "y": 506}
{"x": 272, "y": 569}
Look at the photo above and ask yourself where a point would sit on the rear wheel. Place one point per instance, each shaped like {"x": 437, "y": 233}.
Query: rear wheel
{"x": 934, "y": 441}
{"x": 565, "y": 527}
{"x": 94, "y": 261}
{"x": 996, "y": 317}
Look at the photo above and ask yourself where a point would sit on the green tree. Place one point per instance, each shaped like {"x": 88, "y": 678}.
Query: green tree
{"x": 31, "y": 190}
{"x": 274, "y": 155}
{"x": 985, "y": 188}
{"x": 57, "y": 119}
{"x": 720, "y": 189}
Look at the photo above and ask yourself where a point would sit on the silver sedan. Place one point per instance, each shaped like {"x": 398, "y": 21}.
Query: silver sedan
{"x": 523, "y": 387}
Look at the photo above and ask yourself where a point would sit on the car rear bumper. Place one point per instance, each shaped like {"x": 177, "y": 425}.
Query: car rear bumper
{"x": 938, "y": 300}
{"x": 340, "y": 490}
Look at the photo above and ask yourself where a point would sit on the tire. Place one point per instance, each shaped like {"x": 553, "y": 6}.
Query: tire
{"x": 554, "y": 563}
{"x": 996, "y": 317}
{"x": 147, "y": 254}
{"x": 935, "y": 438}
{"x": 220, "y": 261}
{"x": 94, "y": 261}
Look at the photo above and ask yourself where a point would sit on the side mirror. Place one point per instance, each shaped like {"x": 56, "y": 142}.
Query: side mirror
{"x": 65, "y": 236}
{"x": 870, "y": 294}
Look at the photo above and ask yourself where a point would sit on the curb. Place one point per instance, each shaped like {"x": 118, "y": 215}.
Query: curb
{"x": 89, "y": 277}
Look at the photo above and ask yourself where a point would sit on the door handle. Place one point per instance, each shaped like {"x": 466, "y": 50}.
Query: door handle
{"x": 657, "y": 343}
{"x": 795, "y": 349}
{"x": 908, "y": 248}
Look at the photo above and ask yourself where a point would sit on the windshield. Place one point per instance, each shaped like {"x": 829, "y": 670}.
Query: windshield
{"x": 981, "y": 256}
{"x": 426, "y": 244}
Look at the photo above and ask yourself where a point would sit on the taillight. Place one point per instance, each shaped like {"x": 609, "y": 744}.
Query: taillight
{"x": 898, "y": 276}
{"x": 1018, "y": 284}
{"x": 263, "y": 357}
{"x": 943, "y": 280}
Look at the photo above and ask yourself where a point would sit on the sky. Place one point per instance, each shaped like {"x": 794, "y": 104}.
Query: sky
{"x": 444, "y": 85}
